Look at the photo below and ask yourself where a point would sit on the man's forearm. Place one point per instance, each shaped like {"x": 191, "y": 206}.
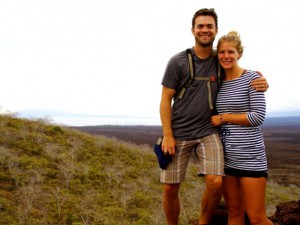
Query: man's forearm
{"x": 166, "y": 117}
{"x": 168, "y": 144}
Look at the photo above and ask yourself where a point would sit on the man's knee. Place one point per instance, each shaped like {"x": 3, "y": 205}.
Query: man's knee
{"x": 171, "y": 189}
{"x": 214, "y": 182}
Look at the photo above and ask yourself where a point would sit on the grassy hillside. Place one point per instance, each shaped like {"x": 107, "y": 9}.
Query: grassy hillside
{"x": 56, "y": 175}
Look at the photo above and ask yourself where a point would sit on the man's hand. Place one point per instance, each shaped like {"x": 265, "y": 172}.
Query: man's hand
{"x": 260, "y": 84}
{"x": 168, "y": 145}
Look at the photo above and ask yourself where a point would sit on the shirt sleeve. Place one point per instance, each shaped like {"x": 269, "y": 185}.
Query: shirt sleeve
{"x": 173, "y": 73}
{"x": 257, "y": 113}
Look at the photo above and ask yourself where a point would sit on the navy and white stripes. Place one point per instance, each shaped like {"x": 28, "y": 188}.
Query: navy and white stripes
{"x": 244, "y": 145}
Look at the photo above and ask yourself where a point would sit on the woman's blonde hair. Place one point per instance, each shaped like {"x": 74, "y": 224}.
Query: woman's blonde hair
{"x": 234, "y": 37}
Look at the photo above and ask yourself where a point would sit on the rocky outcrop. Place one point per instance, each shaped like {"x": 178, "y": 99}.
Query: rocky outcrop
{"x": 287, "y": 213}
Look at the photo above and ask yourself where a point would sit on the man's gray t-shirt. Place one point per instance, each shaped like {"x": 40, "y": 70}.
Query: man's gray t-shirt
{"x": 191, "y": 114}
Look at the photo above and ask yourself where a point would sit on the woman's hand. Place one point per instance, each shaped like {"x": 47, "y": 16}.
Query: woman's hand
{"x": 216, "y": 120}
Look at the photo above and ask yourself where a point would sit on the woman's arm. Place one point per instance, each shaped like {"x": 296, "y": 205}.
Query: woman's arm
{"x": 254, "y": 117}
{"x": 220, "y": 119}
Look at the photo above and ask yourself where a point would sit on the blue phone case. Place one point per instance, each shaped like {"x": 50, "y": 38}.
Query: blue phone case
{"x": 163, "y": 160}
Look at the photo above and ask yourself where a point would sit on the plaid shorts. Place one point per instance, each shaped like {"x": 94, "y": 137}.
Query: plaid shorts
{"x": 209, "y": 158}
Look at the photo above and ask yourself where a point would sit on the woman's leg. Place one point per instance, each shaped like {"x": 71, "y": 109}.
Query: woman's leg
{"x": 233, "y": 200}
{"x": 254, "y": 195}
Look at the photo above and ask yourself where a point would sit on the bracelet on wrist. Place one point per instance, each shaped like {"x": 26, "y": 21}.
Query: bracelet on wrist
{"x": 221, "y": 118}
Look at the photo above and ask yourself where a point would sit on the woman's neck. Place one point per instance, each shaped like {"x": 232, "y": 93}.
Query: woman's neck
{"x": 233, "y": 73}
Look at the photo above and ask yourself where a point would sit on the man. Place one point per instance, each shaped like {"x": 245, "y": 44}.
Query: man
{"x": 186, "y": 123}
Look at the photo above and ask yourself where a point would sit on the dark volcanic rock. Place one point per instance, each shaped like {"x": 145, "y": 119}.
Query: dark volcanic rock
{"x": 220, "y": 215}
{"x": 287, "y": 213}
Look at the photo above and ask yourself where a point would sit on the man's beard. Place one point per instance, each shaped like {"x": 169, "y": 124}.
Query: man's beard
{"x": 207, "y": 44}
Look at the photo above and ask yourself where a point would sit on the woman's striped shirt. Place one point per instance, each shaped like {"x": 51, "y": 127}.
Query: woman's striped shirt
{"x": 244, "y": 145}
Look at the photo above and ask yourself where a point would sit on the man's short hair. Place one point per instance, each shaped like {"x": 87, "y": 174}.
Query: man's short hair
{"x": 205, "y": 12}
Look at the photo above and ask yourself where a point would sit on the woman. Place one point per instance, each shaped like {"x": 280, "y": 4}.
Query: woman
{"x": 241, "y": 111}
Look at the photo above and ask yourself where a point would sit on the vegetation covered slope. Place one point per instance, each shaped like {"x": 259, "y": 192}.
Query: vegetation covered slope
{"x": 54, "y": 175}
{"x": 51, "y": 174}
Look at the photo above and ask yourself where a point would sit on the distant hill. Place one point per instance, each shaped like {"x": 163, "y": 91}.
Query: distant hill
{"x": 145, "y": 134}
{"x": 283, "y": 113}
{"x": 75, "y": 119}
{"x": 289, "y": 121}
{"x": 281, "y": 134}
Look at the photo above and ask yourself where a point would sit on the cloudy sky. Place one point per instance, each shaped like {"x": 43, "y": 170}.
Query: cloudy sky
{"x": 108, "y": 57}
